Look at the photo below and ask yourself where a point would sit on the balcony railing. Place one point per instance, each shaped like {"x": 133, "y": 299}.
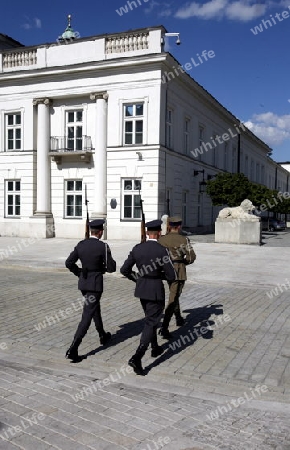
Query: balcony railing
{"x": 127, "y": 42}
{"x": 19, "y": 58}
{"x": 71, "y": 148}
{"x": 66, "y": 144}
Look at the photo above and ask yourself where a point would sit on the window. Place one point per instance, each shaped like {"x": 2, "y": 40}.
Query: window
{"x": 13, "y": 198}
{"x": 131, "y": 198}
{"x": 74, "y": 127}
{"x": 184, "y": 207}
{"x": 13, "y": 131}
{"x": 169, "y": 205}
{"x": 234, "y": 160}
{"x": 169, "y": 128}
{"x": 241, "y": 161}
{"x": 246, "y": 165}
{"x": 73, "y": 198}
{"x": 200, "y": 139}
{"x": 200, "y": 136}
{"x": 186, "y": 136}
{"x": 200, "y": 210}
{"x": 263, "y": 174}
{"x": 226, "y": 148}
{"x": 214, "y": 150}
{"x": 257, "y": 173}
{"x": 133, "y": 126}
{"x": 252, "y": 170}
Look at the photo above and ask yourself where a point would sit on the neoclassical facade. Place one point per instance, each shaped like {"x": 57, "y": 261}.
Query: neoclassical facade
{"x": 111, "y": 118}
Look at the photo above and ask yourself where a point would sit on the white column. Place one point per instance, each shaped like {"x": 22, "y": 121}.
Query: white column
{"x": 43, "y": 206}
{"x": 100, "y": 157}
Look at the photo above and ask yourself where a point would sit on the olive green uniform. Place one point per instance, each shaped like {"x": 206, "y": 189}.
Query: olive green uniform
{"x": 182, "y": 254}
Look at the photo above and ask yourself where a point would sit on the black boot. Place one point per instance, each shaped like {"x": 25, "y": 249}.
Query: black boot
{"x": 72, "y": 352}
{"x": 166, "y": 320}
{"x": 157, "y": 351}
{"x": 165, "y": 333}
{"x": 135, "y": 361}
{"x": 179, "y": 320}
{"x": 104, "y": 338}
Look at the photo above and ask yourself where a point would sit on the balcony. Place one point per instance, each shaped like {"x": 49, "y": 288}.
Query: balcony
{"x": 79, "y": 149}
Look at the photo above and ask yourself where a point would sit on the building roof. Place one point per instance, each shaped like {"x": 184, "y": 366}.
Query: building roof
{"x": 7, "y": 42}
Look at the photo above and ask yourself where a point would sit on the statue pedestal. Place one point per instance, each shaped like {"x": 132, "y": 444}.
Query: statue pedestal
{"x": 164, "y": 219}
{"x": 238, "y": 231}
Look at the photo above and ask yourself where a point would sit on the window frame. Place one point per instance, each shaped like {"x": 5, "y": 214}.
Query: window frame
{"x": 201, "y": 135}
{"x": 214, "y": 157}
{"x": 246, "y": 166}
{"x": 75, "y": 125}
{"x": 14, "y": 193}
{"x": 184, "y": 204}
{"x": 226, "y": 155}
{"x": 169, "y": 128}
{"x": 134, "y": 193}
{"x": 234, "y": 159}
{"x": 186, "y": 135}
{"x": 13, "y": 127}
{"x": 134, "y": 119}
{"x": 75, "y": 192}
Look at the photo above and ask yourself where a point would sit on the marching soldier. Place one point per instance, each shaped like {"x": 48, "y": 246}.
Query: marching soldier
{"x": 96, "y": 260}
{"x": 182, "y": 254}
{"x": 154, "y": 264}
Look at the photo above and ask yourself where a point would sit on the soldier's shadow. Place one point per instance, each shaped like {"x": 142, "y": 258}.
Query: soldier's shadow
{"x": 197, "y": 326}
{"x": 125, "y": 331}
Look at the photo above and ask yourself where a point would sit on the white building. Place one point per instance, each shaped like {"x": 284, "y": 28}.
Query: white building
{"x": 113, "y": 114}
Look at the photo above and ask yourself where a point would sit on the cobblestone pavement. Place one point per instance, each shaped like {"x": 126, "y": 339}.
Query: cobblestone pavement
{"x": 269, "y": 238}
{"x": 222, "y": 383}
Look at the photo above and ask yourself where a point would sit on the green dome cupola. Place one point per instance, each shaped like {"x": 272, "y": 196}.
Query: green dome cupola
{"x": 69, "y": 32}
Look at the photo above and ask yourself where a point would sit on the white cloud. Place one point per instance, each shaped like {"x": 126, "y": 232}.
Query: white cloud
{"x": 208, "y": 10}
{"x": 151, "y": 6}
{"x": 238, "y": 10}
{"x": 26, "y": 26}
{"x": 281, "y": 3}
{"x": 31, "y": 23}
{"x": 37, "y": 22}
{"x": 165, "y": 8}
{"x": 165, "y": 13}
{"x": 270, "y": 127}
{"x": 243, "y": 12}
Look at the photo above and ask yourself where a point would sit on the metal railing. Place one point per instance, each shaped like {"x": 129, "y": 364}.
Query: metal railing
{"x": 66, "y": 144}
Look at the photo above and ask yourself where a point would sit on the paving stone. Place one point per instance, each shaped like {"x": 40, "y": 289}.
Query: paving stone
{"x": 182, "y": 386}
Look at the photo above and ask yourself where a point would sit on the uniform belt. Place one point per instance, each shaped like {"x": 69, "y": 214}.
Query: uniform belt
{"x": 153, "y": 277}
{"x": 85, "y": 271}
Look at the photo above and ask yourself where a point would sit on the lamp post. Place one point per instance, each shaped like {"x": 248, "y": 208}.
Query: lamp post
{"x": 178, "y": 41}
{"x": 202, "y": 184}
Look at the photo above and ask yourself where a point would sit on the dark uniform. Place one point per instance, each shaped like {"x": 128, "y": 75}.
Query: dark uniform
{"x": 154, "y": 264}
{"x": 96, "y": 259}
{"x": 182, "y": 254}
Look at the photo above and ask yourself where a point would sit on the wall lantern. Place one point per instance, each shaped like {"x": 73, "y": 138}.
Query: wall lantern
{"x": 202, "y": 184}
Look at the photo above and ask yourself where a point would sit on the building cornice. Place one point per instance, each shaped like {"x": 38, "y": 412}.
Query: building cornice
{"x": 42, "y": 101}
{"x": 99, "y": 95}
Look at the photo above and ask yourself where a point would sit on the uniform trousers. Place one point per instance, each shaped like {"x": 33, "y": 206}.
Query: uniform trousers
{"x": 153, "y": 311}
{"x": 175, "y": 289}
{"x": 91, "y": 311}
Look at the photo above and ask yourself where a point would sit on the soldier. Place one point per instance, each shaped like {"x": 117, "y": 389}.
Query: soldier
{"x": 96, "y": 260}
{"x": 182, "y": 254}
{"x": 154, "y": 264}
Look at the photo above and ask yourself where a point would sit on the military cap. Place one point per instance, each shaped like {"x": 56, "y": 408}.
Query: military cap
{"x": 175, "y": 221}
{"x": 154, "y": 225}
{"x": 97, "y": 224}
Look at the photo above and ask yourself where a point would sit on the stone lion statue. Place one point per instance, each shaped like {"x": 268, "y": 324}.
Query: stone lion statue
{"x": 244, "y": 211}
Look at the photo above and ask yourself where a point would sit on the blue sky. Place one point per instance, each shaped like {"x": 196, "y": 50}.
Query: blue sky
{"x": 249, "y": 73}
